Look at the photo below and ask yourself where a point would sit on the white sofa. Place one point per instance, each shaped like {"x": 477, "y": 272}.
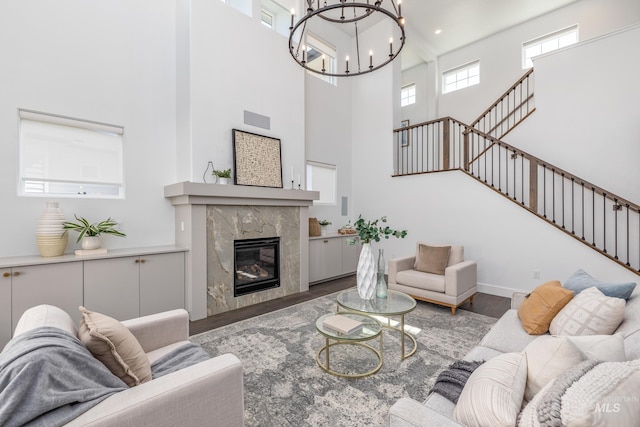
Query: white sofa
{"x": 506, "y": 336}
{"x": 208, "y": 393}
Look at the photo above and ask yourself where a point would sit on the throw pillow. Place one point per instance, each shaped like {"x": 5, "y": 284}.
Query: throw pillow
{"x": 115, "y": 346}
{"x": 542, "y": 305}
{"x": 580, "y": 281}
{"x": 547, "y": 358}
{"x": 589, "y": 313}
{"x": 432, "y": 259}
{"x": 607, "y": 348}
{"x": 493, "y": 394}
{"x": 589, "y": 394}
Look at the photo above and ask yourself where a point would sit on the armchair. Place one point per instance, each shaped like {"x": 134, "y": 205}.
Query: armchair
{"x": 457, "y": 285}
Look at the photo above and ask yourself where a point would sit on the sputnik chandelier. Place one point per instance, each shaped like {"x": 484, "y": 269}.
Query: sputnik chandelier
{"x": 379, "y": 49}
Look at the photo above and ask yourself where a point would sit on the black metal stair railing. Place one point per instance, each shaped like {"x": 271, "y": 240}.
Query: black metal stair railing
{"x": 509, "y": 110}
{"x": 604, "y": 221}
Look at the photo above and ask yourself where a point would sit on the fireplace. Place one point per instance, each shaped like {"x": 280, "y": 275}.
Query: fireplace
{"x": 256, "y": 265}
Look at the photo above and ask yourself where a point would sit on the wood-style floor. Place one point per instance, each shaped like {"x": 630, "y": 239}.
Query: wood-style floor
{"x": 489, "y": 305}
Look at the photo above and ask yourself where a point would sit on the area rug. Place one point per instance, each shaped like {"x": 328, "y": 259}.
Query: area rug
{"x": 283, "y": 385}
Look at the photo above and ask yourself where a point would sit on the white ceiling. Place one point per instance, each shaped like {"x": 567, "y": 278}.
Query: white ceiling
{"x": 462, "y": 22}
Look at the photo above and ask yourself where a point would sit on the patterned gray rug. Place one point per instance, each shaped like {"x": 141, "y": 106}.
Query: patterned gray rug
{"x": 283, "y": 385}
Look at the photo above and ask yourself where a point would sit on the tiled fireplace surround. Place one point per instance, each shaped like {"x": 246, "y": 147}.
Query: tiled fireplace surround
{"x": 209, "y": 217}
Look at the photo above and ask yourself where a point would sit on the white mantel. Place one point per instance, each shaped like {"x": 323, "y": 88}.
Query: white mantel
{"x": 191, "y": 200}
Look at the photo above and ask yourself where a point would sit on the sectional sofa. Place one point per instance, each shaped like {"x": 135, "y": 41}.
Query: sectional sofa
{"x": 616, "y": 399}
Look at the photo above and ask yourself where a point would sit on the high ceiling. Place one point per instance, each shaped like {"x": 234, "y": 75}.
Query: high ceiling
{"x": 462, "y": 22}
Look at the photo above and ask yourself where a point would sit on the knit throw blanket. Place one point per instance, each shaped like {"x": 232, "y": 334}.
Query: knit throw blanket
{"x": 586, "y": 395}
{"x": 451, "y": 381}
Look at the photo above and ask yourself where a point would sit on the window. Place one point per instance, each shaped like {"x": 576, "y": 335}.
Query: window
{"x": 266, "y": 18}
{"x": 548, "y": 43}
{"x": 408, "y": 95}
{"x": 62, "y": 156}
{"x": 461, "y": 77}
{"x": 322, "y": 177}
{"x": 321, "y": 55}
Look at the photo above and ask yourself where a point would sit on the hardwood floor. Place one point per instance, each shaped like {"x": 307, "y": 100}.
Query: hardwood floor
{"x": 488, "y": 305}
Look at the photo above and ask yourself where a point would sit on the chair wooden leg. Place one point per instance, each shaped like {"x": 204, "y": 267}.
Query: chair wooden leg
{"x": 471, "y": 299}
{"x": 453, "y": 311}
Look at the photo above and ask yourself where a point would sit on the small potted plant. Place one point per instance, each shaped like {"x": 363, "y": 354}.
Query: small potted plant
{"x": 222, "y": 176}
{"x": 323, "y": 226}
{"x": 89, "y": 234}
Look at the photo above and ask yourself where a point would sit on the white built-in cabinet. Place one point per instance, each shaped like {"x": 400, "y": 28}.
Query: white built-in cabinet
{"x": 331, "y": 257}
{"x": 123, "y": 283}
{"x": 128, "y": 287}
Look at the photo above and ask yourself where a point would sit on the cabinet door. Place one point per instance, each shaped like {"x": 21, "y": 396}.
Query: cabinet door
{"x": 111, "y": 287}
{"x": 5, "y": 307}
{"x": 54, "y": 284}
{"x": 324, "y": 259}
{"x": 161, "y": 282}
{"x": 350, "y": 255}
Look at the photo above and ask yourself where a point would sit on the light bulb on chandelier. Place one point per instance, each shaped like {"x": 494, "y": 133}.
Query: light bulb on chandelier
{"x": 347, "y": 16}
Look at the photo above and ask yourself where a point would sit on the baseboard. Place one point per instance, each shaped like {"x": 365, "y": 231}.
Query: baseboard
{"x": 497, "y": 290}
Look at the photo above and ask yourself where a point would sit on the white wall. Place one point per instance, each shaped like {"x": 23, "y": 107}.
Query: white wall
{"x": 111, "y": 62}
{"x": 500, "y": 54}
{"x": 418, "y": 112}
{"x": 587, "y": 119}
{"x": 254, "y": 72}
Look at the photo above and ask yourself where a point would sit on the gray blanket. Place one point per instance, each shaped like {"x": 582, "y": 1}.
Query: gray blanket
{"x": 179, "y": 358}
{"x": 48, "y": 378}
{"x": 451, "y": 381}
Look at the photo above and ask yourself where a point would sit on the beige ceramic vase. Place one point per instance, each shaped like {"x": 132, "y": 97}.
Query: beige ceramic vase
{"x": 50, "y": 236}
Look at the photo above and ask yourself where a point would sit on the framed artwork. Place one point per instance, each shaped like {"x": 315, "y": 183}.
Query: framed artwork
{"x": 404, "y": 135}
{"x": 257, "y": 160}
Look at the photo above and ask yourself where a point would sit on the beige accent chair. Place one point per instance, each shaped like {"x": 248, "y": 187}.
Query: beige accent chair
{"x": 209, "y": 393}
{"x": 457, "y": 285}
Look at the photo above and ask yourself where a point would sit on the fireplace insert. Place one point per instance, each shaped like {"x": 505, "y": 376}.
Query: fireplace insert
{"x": 256, "y": 264}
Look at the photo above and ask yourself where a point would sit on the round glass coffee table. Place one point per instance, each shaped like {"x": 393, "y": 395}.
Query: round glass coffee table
{"x": 370, "y": 329}
{"x": 396, "y": 304}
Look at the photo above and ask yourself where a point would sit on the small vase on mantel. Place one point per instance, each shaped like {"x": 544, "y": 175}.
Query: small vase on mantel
{"x": 366, "y": 273}
{"x": 50, "y": 236}
{"x": 381, "y": 287}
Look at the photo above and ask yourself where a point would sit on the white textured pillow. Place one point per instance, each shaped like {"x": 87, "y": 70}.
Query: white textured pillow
{"x": 547, "y": 358}
{"x": 589, "y": 313}
{"x": 493, "y": 394}
{"x": 608, "y": 348}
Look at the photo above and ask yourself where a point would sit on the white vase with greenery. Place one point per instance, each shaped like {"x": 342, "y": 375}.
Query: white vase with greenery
{"x": 368, "y": 231}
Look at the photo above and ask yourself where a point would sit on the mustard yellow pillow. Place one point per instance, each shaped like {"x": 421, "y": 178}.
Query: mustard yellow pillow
{"x": 432, "y": 259}
{"x": 115, "y": 346}
{"x": 539, "y": 308}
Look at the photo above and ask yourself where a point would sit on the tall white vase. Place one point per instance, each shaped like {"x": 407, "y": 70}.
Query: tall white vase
{"x": 50, "y": 236}
{"x": 366, "y": 274}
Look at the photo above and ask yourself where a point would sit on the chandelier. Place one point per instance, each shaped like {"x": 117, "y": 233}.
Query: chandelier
{"x": 379, "y": 49}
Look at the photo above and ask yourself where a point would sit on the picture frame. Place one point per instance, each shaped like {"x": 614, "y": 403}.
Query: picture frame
{"x": 257, "y": 160}
{"x": 405, "y": 134}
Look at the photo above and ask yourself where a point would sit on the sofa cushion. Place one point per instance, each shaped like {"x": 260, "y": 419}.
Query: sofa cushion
{"x": 45, "y": 315}
{"x": 493, "y": 394}
{"x": 115, "y": 346}
{"x": 580, "y": 281}
{"x": 420, "y": 280}
{"x": 432, "y": 259}
{"x": 547, "y": 358}
{"x": 589, "y": 313}
{"x": 508, "y": 334}
{"x": 542, "y": 305}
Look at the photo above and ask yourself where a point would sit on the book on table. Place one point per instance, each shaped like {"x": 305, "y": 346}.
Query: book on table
{"x": 343, "y": 324}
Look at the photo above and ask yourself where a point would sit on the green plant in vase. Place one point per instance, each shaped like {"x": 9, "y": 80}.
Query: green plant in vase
{"x": 371, "y": 231}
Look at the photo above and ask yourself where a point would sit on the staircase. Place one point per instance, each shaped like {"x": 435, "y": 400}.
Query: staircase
{"x": 594, "y": 216}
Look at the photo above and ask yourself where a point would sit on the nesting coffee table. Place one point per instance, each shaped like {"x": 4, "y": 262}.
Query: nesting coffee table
{"x": 370, "y": 329}
{"x": 397, "y": 304}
